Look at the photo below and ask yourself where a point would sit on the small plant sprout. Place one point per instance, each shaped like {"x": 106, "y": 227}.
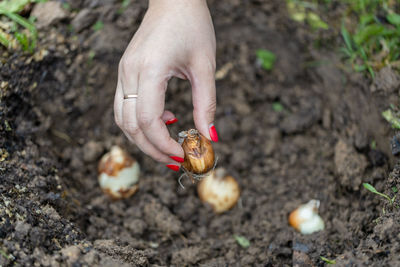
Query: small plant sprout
{"x": 266, "y": 59}
{"x": 328, "y": 261}
{"x": 242, "y": 241}
{"x": 219, "y": 190}
{"x": 99, "y": 25}
{"x": 118, "y": 174}
{"x": 277, "y": 107}
{"x": 372, "y": 189}
{"x": 305, "y": 218}
{"x": 392, "y": 118}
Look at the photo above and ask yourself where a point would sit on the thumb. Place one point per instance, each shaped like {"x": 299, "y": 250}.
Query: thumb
{"x": 204, "y": 98}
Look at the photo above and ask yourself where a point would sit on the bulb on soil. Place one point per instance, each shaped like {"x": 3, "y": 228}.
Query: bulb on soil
{"x": 219, "y": 190}
{"x": 118, "y": 174}
{"x": 199, "y": 153}
{"x": 305, "y": 218}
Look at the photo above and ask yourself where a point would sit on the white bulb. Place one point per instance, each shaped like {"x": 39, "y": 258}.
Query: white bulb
{"x": 305, "y": 218}
{"x": 118, "y": 174}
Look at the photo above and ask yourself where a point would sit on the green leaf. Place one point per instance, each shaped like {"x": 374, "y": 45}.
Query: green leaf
{"x": 242, "y": 241}
{"x": 372, "y": 189}
{"x": 391, "y": 118}
{"x": 316, "y": 22}
{"x": 366, "y": 19}
{"x": 394, "y": 189}
{"x": 267, "y": 58}
{"x": 367, "y": 32}
{"x": 296, "y": 11}
{"x": 99, "y": 25}
{"x": 369, "y": 187}
{"x": 373, "y": 144}
{"x": 327, "y": 260}
{"x": 13, "y": 6}
{"x": 277, "y": 107}
{"x": 394, "y": 19}
{"x": 66, "y": 6}
{"x": 125, "y": 3}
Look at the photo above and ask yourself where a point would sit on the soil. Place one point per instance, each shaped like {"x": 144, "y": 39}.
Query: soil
{"x": 57, "y": 120}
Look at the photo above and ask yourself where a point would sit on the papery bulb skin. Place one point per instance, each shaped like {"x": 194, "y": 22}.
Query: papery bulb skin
{"x": 199, "y": 153}
{"x": 218, "y": 190}
{"x": 118, "y": 174}
{"x": 305, "y": 218}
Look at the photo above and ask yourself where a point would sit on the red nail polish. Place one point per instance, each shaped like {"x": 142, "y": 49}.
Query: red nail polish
{"x": 178, "y": 159}
{"x": 173, "y": 167}
{"x": 213, "y": 133}
{"x": 171, "y": 121}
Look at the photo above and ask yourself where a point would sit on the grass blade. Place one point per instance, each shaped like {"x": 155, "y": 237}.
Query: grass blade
{"x": 347, "y": 38}
{"x": 3, "y": 39}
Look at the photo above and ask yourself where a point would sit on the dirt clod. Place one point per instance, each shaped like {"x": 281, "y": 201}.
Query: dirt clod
{"x": 349, "y": 164}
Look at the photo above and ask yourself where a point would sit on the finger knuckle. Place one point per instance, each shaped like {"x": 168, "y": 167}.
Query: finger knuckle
{"x": 159, "y": 158}
{"x": 131, "y": 129}
{"x": 206, "y": 63}
{"x": 151, "y": 71}
{"x": 126, "y": 64}
{"x": 211, "y": 108}
{"x": 145, "y": 120}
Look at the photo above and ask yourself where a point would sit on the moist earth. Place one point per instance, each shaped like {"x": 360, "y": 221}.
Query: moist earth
{"x": 57, "y": 120}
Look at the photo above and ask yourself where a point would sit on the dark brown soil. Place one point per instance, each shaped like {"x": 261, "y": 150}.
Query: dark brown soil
{"x": 57, "y": 120}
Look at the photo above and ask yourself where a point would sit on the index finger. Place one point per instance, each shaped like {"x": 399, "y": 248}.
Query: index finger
{"x": 149, "y": 111}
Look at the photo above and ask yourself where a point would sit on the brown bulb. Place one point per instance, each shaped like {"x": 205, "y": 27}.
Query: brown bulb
{"x": 199, "y": 153}
{"x": 219, "y": 190}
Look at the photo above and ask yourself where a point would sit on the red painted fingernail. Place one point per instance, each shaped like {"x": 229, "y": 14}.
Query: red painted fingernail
{"x": 213, "y": 133}
{"x": 171, "y": 121}
{"x": 178, "y": 159}
{"x": 173, "y": 167}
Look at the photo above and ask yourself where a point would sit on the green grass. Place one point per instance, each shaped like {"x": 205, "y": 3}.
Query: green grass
{"x": 22, "y": 33}
{"x": 305, "y": 12}
{"x": 371, "y": 34}
{"x": 370, "y": 29}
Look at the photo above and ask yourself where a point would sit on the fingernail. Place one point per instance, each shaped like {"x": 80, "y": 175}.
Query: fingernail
{"x": 213, "y": 133}
{"x": 171, "y": 121}
{"x": 173, "y": 167}
{"x": 178, "y": 159}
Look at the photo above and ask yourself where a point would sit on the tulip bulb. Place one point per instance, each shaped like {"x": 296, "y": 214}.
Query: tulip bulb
{"x": 305, "y": 218}
{"x": 219, "y": 190}
{"x": 118, "y": 174}
{"x": 199, "y": 153}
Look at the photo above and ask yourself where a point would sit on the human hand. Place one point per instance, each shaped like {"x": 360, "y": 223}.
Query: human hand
{"x": 176, "y": 38}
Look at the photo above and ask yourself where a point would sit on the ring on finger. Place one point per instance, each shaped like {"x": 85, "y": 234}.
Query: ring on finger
{"x": 130, "y": 96}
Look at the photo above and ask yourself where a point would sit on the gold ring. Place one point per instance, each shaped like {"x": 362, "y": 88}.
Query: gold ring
{"x": 130, "y": 96}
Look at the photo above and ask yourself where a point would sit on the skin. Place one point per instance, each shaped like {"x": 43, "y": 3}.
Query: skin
{"x": 175, "y": 39}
